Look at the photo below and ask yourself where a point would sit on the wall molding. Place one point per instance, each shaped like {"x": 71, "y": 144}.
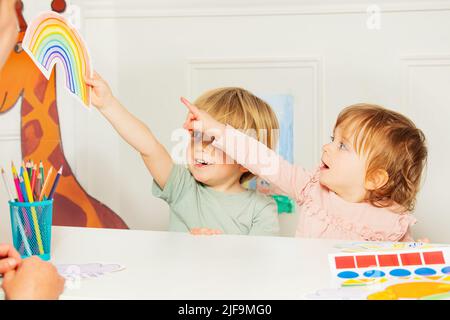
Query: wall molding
{"x": 194, "y": 64}
{"x": 204, "y": 8}
{"x": 9, "y": 136}
{"x": 313, "y": 63}
{"x": 409, "y": 62}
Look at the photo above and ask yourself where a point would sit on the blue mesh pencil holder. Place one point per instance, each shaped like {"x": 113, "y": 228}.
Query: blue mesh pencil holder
{"x": 31, "y": 225}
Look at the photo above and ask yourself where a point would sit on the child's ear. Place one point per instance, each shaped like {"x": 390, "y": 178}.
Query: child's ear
{"x": 376, "y": 179}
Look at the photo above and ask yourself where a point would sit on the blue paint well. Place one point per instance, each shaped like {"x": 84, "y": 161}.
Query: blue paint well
{"x": 400, "y": 273}
{"x": 348, "y": 275}
{"x": 374, "y": 274}
{"x": 425, "y": 272}
{"x": 446, "y": 270}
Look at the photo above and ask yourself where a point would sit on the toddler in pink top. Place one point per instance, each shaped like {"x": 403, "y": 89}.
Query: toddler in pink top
{"x": 366, "y": 185}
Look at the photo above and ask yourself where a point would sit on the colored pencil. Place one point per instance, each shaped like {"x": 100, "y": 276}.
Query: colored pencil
{"x": 16, "y": 215}
{"x": 21, "y": 199}
{"x": 37, "y": 191}
{"x": 46, "y": 184}
{"x": 33, "y": 212}
{"x": 41, "y": 170}
{"x": 28, "y": 168}
{"x": 22, "y": 169}
{"x": 23, "y": 190}
{"x": 55, "y": 184}
{"x": 17, "y": 183}
{"x": 22, "y": 233}
{"x": 26, "y": 179}
{"x": 8, "y": 189}
{"x": 33, "y": 179}
{"x": 25, "y": 199}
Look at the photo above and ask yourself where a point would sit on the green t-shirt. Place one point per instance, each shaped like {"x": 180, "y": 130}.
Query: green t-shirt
{"x": 194, "y": 205}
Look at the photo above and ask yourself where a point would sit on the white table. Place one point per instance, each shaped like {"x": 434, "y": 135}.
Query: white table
{"x": 168, "y": 265}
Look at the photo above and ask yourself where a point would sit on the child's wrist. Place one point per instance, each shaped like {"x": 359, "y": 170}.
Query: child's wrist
{"x": 109, "y": 103}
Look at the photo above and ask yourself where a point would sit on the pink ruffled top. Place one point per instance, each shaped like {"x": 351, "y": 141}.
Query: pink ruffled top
{"x": 323, "y": 213}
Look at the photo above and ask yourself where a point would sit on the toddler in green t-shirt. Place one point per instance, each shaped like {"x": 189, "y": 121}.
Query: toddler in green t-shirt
{"x": 207, "y": 197}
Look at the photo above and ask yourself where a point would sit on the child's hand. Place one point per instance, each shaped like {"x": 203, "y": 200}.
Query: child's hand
{"x": 205, "y": 232}
{"x": 101, "y": 92}
{"x": 199, "y": 120}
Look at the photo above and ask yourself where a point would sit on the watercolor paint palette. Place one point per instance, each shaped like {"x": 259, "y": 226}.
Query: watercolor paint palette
{"x": 376, "y": 267}
{"x": 392, "y": 289}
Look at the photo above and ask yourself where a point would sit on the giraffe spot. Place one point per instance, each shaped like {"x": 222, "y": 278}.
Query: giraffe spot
{"x": 41, "y": 88}
{"x": 31, "y": 137}
{"x": 57, "y": 159}
{"x": 53, "y": 112}
{"x": 67, "y": 213}
{"x": 26, "y": 107}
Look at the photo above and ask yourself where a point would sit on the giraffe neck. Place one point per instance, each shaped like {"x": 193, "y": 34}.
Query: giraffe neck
{"x": 41, "y": 136}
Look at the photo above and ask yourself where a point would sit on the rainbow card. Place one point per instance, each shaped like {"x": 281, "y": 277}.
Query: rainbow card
{"x": 50, "y": 39}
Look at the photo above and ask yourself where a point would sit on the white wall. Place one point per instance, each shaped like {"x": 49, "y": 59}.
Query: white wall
{"x": 321, "y": 52}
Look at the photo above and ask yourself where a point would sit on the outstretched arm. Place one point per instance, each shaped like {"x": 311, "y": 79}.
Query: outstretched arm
{"x": 132, "y": 130}
{"x": 250, "y": 153}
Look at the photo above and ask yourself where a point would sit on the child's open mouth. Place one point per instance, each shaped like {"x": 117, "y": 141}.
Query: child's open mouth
{"x": 324, "y": 166}
{"x": 200, "y": 163}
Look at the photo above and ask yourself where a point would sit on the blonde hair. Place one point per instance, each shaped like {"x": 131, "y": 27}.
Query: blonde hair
{"x": 242, "y": 110}
{"x": 391, "y": 142}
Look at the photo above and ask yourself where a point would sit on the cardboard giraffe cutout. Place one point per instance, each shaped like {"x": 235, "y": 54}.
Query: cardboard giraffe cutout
{"x": 41, "y": 134}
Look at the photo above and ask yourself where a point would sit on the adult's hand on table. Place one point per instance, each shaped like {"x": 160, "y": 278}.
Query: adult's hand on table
{"x": 34, "y": 279}
{"x": 9, "y": 258}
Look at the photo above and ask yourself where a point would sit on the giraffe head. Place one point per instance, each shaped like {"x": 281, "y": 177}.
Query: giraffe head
{"x": 19, "y": 72}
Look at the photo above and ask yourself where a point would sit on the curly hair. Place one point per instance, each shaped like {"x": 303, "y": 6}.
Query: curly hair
{"x": 391, "y": 142}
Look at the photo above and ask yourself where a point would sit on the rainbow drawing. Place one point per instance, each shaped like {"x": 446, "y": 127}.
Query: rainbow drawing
{"x": 50, "y": 39}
